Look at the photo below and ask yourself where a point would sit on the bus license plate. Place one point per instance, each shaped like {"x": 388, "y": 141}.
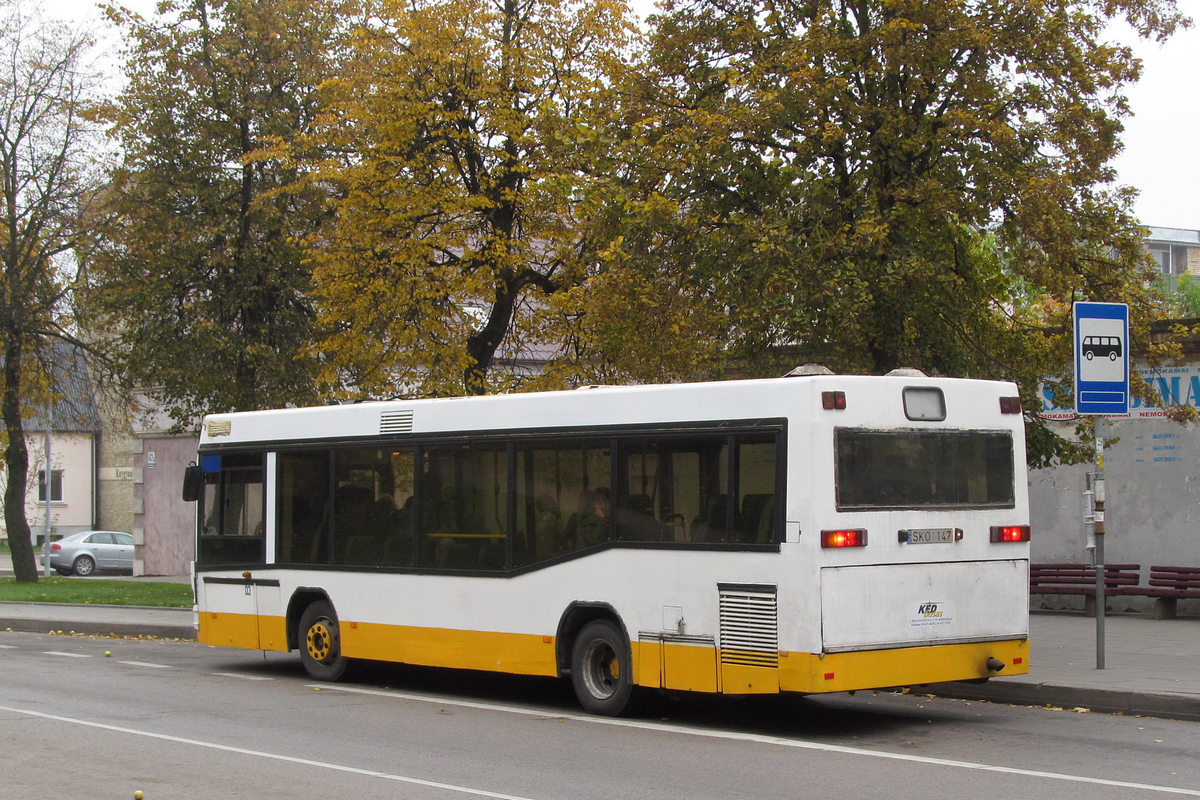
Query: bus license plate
{"x": 928, "y": 536}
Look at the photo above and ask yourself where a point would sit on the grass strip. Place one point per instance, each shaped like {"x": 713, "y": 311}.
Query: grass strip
{"x": 91, "y": 591}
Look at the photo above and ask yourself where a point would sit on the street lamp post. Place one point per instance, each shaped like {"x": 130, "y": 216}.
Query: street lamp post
{"x": 49, "y": 474}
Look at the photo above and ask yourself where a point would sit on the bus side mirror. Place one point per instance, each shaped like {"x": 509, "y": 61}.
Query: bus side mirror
{"x": 193, "y": 483}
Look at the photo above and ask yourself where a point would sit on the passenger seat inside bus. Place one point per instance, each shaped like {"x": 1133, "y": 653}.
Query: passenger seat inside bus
{"x": 757, "y": 518}
{"x": 711, "y": 526}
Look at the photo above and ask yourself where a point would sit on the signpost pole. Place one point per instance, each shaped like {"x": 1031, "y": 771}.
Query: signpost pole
{"x": 1098, "y": 530}
{"x": 1101, "y": 387}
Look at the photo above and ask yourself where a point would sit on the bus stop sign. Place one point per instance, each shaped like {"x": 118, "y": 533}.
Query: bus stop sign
{"x": 1101, "y": 358}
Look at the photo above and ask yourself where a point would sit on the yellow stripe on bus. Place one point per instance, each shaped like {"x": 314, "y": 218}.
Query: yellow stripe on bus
{"x": 517, "y": 653}
{"x": 672, "y": 666}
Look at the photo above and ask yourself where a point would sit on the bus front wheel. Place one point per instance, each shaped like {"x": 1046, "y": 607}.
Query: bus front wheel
{"x": 602, "y": 669}
{"x": 321, "y": 643}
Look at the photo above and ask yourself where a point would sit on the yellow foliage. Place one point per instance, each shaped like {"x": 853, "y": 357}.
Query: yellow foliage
{"x": 465, "y": 138}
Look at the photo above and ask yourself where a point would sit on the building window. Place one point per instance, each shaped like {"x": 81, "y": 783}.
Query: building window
{"x": 1162, "y": 254}
{"x": 56, "y": 494}
{"x": 1175, "y": 259}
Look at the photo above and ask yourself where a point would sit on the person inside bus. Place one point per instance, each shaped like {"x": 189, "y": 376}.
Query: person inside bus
{"x": 592, "y": 525}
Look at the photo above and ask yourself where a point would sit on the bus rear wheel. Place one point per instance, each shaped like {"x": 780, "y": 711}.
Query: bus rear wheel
{"x": 321, "y": 642}
{"x": 602, "y": 670}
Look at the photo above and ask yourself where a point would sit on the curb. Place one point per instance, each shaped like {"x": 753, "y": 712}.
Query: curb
{"x": 54, "y": 618}
{"x": 161, "y": 631}
{"x": 1105, "y": 701}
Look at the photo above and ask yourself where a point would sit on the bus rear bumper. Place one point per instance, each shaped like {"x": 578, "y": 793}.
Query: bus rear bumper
{"x": 810, "y": 673}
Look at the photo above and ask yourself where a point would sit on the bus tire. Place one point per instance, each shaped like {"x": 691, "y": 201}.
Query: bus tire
{"x": 602, "y": 669}
{"x": 321, "y": 642}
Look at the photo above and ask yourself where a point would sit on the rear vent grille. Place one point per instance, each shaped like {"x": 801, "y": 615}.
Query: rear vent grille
{"x": 749, "y": 626}
{"x": 395, "y": 422}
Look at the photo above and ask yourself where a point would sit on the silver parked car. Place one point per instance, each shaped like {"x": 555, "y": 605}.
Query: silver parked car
{"x": 84, "y": 553}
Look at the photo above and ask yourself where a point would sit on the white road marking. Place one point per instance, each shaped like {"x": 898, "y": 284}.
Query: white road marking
{"x": 370, "y": 773}
{"x": 64, "y": 655}
{"x": 8, "y": 647}
{"x": 243, "y": 677}
{"x": 145, "y": 664}
{"x": 798, "y": 744}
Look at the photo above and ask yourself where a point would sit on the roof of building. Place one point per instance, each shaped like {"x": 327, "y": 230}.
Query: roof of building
{"x": 1174, "y": 235}
{"x": 75, "y": 411}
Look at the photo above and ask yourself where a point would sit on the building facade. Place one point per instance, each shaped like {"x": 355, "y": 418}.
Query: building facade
{"x": 163, "y": 525}
{"x": 1177, "y": 250}
{"x": 71, "y": 428}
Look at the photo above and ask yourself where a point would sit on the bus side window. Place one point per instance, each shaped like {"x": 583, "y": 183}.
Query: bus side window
{"x": 558, "y": 486}
{"x": 756, "y": 488}
{"x": 464, "y": 506}
{"x": 372, "y": 507}
{"x": 303, "y": 536}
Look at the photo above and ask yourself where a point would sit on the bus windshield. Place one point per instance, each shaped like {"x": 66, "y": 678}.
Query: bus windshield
{"x": 881, "y": 469}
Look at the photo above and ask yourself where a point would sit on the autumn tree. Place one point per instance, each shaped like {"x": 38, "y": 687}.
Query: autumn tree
{"x": 879, "y": 183}
{"x": 461, "y": 146}
{"x": 198, "y": 268}
{"x": 47, "y": 145}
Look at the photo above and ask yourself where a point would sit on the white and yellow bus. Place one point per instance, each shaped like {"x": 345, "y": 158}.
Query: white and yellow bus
{"x": 818, "y": 533}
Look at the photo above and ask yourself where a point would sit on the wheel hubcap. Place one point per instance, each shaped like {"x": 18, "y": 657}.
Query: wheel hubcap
{"x": 319, "y": 641}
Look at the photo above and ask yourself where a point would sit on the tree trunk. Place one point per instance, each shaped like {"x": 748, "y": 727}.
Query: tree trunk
{"x": 483, "y": 344}
{"x": 16, "y": 461}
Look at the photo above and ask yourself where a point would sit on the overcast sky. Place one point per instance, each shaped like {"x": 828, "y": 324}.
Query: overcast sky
{"x": 1162, "y": 138}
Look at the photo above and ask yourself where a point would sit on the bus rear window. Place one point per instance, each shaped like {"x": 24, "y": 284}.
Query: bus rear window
{"x": 923, "y": 469}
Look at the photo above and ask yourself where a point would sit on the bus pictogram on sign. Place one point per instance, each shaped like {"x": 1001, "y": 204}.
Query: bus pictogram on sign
{"x": 1101, "y": 358}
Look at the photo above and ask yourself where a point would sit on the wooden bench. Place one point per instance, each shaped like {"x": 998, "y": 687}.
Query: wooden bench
{"x": 1169, "y": 584}
{"x": 1080, "y": 579}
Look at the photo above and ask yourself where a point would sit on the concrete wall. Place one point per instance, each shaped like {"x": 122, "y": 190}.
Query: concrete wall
{"x": 164, "y": 524}
{"x": 1152, "y": 477}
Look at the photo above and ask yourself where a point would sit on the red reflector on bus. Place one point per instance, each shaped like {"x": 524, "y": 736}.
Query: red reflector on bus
{"x": 833, "y": 401}
{"x": 1010, "y": 533}
{"x": 1010, "y": 405}
{"x": 854, "y": 537}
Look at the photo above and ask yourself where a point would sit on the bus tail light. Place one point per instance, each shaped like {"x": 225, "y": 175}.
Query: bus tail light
{"x": 833, "y": 401}
{"x": 1010, "y": 533}
{"x": 1010, "y": 405}
{"x": 852, "y": 537}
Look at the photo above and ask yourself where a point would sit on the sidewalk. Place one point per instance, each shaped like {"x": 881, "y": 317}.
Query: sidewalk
{"x": 1150, "y": 667}
{"x": 164, "y": 623}
{"x": 1150, "y": 664}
